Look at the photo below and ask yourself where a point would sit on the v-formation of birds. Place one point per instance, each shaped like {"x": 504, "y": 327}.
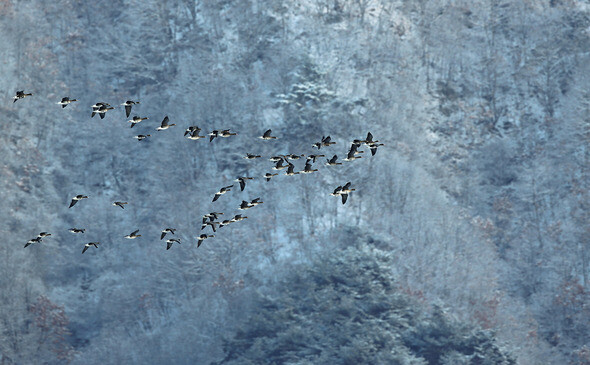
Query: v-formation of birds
{"x": 213, "y": 219}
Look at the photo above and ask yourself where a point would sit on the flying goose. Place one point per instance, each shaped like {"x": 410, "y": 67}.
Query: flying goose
{"x": 65, "y": 101}
{"x": 171, "y": 241}
{"x": 120, "y": 204}
{"x": 345, "y": 191}
{"x": 100, "y": 109}
{"x": 141, "y": 137}
{"x": 351, "y": 156}
{"x": 245, "y": 205}
{"x": 191, "y": 129}
{"x": 20, "y": 95}
{"x": 326, "y": 141}
{"x": 266, "y": 136}
{"x": 256, "y": 202}
{"x": 128, "y": 104}
{"x": 332, "y": 161}
{"x": 34, "y": 240}
{"x": 76, "y": 199}
{"x": 136, "y": 119}
{"x": 167, "y": 230}
{"x": 164, "y": 125}
{"x": 279, "y": 165}
{"x": 314, "y": 157}
{"x": 250, "y": 156}
{"x": 195, "y": 135}
{"x": 213, "y": 134}
{"x": 340, "y": 191}
{"x": 290, "y": 171}
{"x": 293, "y": 157}
{"x": 210, "y": 223}
{"x": 373, "y": 146}
{"x": 90, "y": 244}
{"x": 222, "y": 191}
{"x": 225, "y": 223}
{"x": 268, "y": 176}
{"x": 242, "y": 181}
{"x": 203, "y": 237}
{"x": 133, "y": 235}
{"x": 211, "y": 216}
{"x": 226, "y": 133}
{"x": 308, "y": 169}
{"x": 77, "y": 230}
{"x": 237, "y": 218}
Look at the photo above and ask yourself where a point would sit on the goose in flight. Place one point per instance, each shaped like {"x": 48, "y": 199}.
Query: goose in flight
{"x": 34, "y": 240}
{"x": 133, "y": 235}
{"x": 213, "y": 135}
{"x": 76, "y": 199}
{"x": 266, "y": 136}
{"x": 332, "y": 161}
{"x": 351, "y": 156}
{"x": 314, "y": 157}
{"x": 245, "y": 205}
{"x": 167, "y": 230}
{"x": 164, "y": 125}
{"x": 237, "y": 218}
{"x": 195, "y": 135}
{"x": 326, "y": 141}
{"x": 226, "y": 133}
{"x": 242, "y": 181}
{"x": 225, "y": 223}
{"x": 77, "y": 230}
{"x": 141, "y": 137}
{"x": 171, "y": 241}
{"x": 308, "y": 169}
{"x": 279, "y": 165}
{"x": 222, "y": 191}
{"x": 120, "y": 204}
{"x": 373, "y": 147}
{"x": 65, "y": 101}
{"x": 345, "y": 191}
{"x": 203, "y": 237}
{"x": 276, "y": 158}
{"x": 128, "y": 104}
{"x": 136, "y": 119}
{"x": 213, "y": 224}
{"x": 100, "y": 109}
{"x": 90, "y": 244}
{"x": 290, "y": 171}
{"x": 250, "y": 156}
{"x": 255, "y": 202}
{"x": 293, "y": 157}
{"x": 268, "y": 176}
{"x": 191, "y": 129}
{"x": 211, "y": 216}
{"x": 21, "y": 95}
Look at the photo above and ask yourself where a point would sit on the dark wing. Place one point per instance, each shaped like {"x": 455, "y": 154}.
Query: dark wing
{"x": 369, "y": 137}
{"x": 373, "y": 151}
{"x": 134, "y": 233}
{"x": 169, "y": 244}
{"x": 85, "y": 248}
{"x": 101, "y": 115}
{"x": 216, "y": 197}
{"x": 74, "y": 201}
{"x": 242, "y": 184}
{"x": 93, "y": 114}
{"x": 127, "y": 110}
{"x": 267, "y": 134}
{"x": 28, "y": 244}
{"x": 199, "y": 243}
{"x": 213, "y": 226}
{"x": 344, "y": 197}
{"x": 165, "y": 121}
{"x": 212, "y": 137}
{"x": 345, "y": 187}
{"x": 132, "y": 125}
{"x": 64, "y": 105}
{"x": 120, "y": 205}
{"x": 162, "y": 235}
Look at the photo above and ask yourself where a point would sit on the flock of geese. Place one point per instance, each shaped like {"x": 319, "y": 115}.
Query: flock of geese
{"x": 213, "y": 219}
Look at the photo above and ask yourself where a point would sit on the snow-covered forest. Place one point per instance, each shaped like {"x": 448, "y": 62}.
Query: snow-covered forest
{"x": 466, "y": 241}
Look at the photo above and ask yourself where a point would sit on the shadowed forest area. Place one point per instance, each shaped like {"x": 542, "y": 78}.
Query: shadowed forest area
{"x": 466, "y": 241}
